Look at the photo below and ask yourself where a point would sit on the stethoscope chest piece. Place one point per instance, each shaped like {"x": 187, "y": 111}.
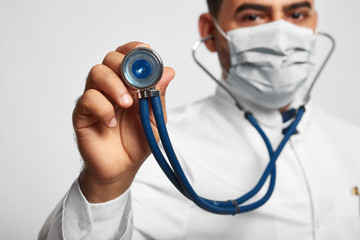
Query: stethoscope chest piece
{"x": 142, "y": 68}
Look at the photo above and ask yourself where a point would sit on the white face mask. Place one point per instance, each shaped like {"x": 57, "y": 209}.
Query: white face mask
{"x": 269, "y": 62}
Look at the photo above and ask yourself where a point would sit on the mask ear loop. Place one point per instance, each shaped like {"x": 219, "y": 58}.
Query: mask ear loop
{"x": 217, "y": 26}
{"x": 333, "y": 42}
{"x": 220, "y": 83}
{"x": 226, "y": 36}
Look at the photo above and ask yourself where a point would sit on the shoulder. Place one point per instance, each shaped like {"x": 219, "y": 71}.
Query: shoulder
{"x": 331, "y": 120}
{"x": 334, "y": 125}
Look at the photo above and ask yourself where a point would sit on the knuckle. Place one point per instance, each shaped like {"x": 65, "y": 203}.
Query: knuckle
{"x": 109, "y": 57}
{"x": 97, "y": 69}
{"x": 89, "y": 95}
{"x": 102, "y": 76}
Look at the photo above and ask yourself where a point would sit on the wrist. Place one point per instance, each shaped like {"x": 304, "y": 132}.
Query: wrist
{"x": 99, "y": 191}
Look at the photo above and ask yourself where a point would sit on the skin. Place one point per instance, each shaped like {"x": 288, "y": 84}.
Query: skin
{"x": 106, "y": 120}
{"x": 108, "y": 129}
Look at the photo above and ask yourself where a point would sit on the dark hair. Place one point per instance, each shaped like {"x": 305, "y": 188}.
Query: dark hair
{"x": 214, "y": 7}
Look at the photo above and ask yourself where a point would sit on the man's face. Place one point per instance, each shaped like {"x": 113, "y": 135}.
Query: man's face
{"x": 246, "y": 13}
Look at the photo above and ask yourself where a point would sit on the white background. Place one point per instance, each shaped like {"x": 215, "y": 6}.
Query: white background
{"x": 46, "y": 50}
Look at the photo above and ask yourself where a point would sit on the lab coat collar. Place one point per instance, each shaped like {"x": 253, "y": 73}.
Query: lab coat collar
{"x": 266, "y": 117}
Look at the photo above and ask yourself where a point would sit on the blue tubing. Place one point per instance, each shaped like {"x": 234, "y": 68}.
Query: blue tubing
{"x": 144, "y": 117}
{"x": 156, "y": 104}
{"x": 273, "y": 155}
{"x": 270, "y": 168}
{"x": 178, "y": 178}
{"x": 180, "y": 175}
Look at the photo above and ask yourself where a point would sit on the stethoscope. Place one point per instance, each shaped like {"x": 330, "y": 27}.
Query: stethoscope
{"x": 142, "y": 68}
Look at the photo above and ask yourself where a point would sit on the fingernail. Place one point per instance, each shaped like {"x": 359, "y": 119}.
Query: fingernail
{"x": 143, "y": 45}
{"x": 113, "y": 122}
{"x": 125, "y": 99}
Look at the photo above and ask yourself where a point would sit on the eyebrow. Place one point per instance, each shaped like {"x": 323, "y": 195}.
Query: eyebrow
{"x": 298, "y": 5}
{"x": 265, "y": 8}
{"x": 258, "y": 7}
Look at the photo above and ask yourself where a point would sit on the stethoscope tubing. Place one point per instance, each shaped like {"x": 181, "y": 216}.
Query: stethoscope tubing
{"x": 177, "y": 176}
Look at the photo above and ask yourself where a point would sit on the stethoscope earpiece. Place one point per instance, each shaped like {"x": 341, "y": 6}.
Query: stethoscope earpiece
{"x": 142, "y": 68}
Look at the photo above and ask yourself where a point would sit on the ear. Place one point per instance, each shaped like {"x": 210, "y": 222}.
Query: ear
{"x": 206, "y": 28}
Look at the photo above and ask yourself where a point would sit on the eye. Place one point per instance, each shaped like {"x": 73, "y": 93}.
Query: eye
{"x": 296, "y": 15}
{"x": 252, "y": 17}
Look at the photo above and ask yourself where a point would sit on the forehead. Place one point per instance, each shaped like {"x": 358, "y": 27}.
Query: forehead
{"x": 233, "y": 4}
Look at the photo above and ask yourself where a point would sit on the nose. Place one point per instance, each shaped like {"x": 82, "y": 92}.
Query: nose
{"x": 278, "y": 15}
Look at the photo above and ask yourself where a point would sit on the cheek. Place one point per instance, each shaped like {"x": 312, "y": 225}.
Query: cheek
{"x": 311, "y": 22}
{"x": 310, "y": 25}
{"x": 222, "y": 49}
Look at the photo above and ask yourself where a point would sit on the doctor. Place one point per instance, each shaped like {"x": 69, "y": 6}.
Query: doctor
{"x": 221, "y": 153}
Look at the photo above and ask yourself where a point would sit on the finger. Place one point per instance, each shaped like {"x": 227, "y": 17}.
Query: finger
{"x": 113, "y": 60}
{"x": 102, "y": 78}
{"x": 167, "y": 77}
{"x": 124, "y": 49}
{"x": 92, "y": 107}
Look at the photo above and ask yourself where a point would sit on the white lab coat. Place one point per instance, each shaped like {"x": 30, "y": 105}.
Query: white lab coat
{"x": 224, "y": 157}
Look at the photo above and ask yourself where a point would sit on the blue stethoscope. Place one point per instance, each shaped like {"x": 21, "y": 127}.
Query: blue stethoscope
{"x": 142, "y": 68}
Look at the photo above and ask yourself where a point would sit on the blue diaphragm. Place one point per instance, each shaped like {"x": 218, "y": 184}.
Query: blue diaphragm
{"x": 142, "y": 68}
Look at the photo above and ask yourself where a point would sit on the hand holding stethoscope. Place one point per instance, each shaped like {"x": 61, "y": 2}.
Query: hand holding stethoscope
{"x": 108, "y": 130}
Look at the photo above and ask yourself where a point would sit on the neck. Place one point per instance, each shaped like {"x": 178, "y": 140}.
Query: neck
{"x": 283, "y": 109}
